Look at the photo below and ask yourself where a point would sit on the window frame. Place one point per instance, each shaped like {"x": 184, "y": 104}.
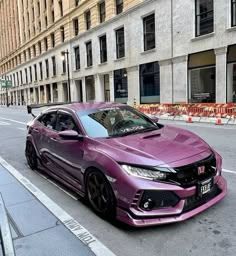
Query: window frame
{"x": 119, "y": 44}
{"x": 119, "y": 6}
{"x": 103, "y": 48}
{"x": 199, "y": 15}
{"x": 233, "y": 13}
{"x": 88, "y": 19}
{"x": 76, "y": 26}
{"x": 102, "y": 11}
{"x": 89, "y": 56}
{"x": 77, "y": 57}
{"x": 146, "y": 35}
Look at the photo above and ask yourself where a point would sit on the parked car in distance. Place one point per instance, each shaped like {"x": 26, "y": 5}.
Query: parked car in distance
{"x": 125, "y": 164}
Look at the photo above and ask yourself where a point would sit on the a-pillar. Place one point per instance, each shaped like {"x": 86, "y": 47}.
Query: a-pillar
{"x": 99, "y": 88}
{"x": 180, "y": 79}
{"x": 133, "y": 85}
{"x": 221, "y": 74}
{"x": 166, "y": 89}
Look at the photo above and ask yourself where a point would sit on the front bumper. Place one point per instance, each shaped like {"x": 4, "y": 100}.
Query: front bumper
{"x": 180, "y": 212}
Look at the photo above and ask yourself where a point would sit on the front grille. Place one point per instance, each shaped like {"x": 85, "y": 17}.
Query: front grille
{"x": 195, "y": 201}
{"x": 187, "y": 176}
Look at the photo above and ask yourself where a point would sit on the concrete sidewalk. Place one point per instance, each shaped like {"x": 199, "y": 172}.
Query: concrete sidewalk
{"x": 34, "y": 229}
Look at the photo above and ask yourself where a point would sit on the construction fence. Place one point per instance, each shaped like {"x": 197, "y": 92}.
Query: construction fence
{"x": 197, "y": 110}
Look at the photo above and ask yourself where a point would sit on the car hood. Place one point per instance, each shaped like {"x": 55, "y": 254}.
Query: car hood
{"x": 168, "y": 146}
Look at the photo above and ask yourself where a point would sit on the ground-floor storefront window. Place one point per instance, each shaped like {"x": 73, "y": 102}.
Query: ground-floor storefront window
{"x": 149, "y": 82}
{"x": 202, "y": 77}
{"x": 231, "y": 74}
{"x": 90, "y": 88}
{"x": 121, "y": 85}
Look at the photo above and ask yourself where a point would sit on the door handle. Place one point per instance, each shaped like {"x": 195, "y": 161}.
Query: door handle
{"x": 36, "y": 130}
{"x": 53, "y": 139}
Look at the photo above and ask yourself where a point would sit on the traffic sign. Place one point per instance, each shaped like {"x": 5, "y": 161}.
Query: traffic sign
{"x": 6, "y": 83}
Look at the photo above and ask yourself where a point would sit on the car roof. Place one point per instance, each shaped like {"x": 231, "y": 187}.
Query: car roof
{"x": 86, "y": 106}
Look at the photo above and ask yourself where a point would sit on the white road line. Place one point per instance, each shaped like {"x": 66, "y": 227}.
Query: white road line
{"x": 74, "y": 226}
{"x": 69, "y": 194}
{"x": 13, "y": 120}
{"x": 225, "y": 170}
{"x": 23, "y": 129}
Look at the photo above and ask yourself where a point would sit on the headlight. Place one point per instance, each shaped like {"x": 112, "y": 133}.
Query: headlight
{"x": 158, "y": 174}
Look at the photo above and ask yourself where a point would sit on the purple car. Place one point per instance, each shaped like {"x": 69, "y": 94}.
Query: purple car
{"x": 124, "y": 163}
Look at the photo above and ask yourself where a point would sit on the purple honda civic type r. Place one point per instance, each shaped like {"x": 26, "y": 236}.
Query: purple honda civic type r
{"x": 125, "y": 164}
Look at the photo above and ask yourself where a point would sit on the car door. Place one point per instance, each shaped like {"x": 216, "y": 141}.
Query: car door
{"x": 42, "y": 132}
{"x": 67, "y": 154}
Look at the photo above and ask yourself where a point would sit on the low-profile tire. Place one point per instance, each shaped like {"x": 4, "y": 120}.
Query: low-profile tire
{"x": 31, "y": 156}
{"x": 100, "y": 194}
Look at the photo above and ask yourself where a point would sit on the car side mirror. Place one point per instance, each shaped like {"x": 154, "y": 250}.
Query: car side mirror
{"x": 70, "y": 135}
{"x": 155, "y": 119}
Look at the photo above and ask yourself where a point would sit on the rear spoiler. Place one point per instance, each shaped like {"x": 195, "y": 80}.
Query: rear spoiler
{"x": 33, "y": 106}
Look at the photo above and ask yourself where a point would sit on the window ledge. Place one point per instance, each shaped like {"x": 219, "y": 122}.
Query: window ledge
{"x": 120, "y": 59}
{"x": 89, "y": 67}
{"x": 203, "y": 37}
{"x": 230, "y": 29}
{"x": 148, "y": 51}
{"x": 63, "y": 73}
{"x": 54, "y": 76}
{"x": 102, "y": 64}
{"x": 77, "y": 70}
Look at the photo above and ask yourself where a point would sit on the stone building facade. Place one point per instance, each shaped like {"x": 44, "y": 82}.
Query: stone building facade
{"x": 147, "y": 51}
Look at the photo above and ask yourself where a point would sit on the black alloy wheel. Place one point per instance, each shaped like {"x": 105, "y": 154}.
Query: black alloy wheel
{"x": 100, "y": 194}
{"x": 31, "y": 156}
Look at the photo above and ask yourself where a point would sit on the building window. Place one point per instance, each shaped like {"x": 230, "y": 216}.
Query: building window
{"x": 30, "y": 72}
{"x": 60, "y": 7}
{"x": 62, "y": 34}
{"x": 52, "y": 40}
{"x": 103, "y": 49}
{"x": 120, "y": 43}
{"x": 47, "y": 68}
{"x": 102, "y": 11}
{"x": 29, "y": 53}
{"x": 76, "y": 26}
{"x": 77, "y": 2}
{"x": 35, "y": 73}
{"x": 46, "y": 21}
{"x": 231, "y": 74}
{"x": 41, "y": 70}
{"x": 121, "y": 85}
{"x": 46, "y": 43}
{"x": 149, "y": 32}
{"x": 77, "y": 58}
{"x": 34, "y": 50}
{"x": 204, "y": 20}
{"x": 54, "y": 68}
{"x": 89, "y": 54}
{"x": 119, "y": 6}
{"x": 149, "y": 82}
{"x": 40, "y": 47}
{"x": 21, "y": 78}
{"x": 88, "y": 20}
{"x": 24, "y": 53}
{"x": 63, "y": 66}
{"x": 233, "y": 13}
{"x": 53, "y": 16}
{"x": 26, "y": 76}
{"x": 202, "y": 87}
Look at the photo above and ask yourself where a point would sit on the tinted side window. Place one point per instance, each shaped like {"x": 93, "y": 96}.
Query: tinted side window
{"x": 48, "y": 120}
{"x": 65, "y": 122}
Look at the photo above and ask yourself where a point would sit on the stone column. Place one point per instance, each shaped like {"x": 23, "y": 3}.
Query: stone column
{"x": 180, "y": 79}
{"x": 84, "y": 89}
{"x": 133, "y": 85}
{"x": 221, "y": 74}
{"x": 166, "y": 92}
{"x": 111, "y": 84}
{"x": 51, "y": 92}
{"x": 99, "y": 88}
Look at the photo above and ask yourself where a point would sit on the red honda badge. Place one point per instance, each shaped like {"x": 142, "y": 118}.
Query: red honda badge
{"x": 201, "y": 169}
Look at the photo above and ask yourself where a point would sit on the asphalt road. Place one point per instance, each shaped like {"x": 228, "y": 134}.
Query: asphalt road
{"x": 211, "y": 233}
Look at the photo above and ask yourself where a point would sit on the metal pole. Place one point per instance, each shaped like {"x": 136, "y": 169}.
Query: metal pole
{"x": 68, "y": 75}
{"x": 6, "y": 91}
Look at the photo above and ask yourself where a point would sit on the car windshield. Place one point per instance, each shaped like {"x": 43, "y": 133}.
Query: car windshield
{"x": 115, "y": 122}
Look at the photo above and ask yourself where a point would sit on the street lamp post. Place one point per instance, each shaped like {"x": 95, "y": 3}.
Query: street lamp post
{"x": 66, "y": 53}
{"x": 6, "y": 91}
